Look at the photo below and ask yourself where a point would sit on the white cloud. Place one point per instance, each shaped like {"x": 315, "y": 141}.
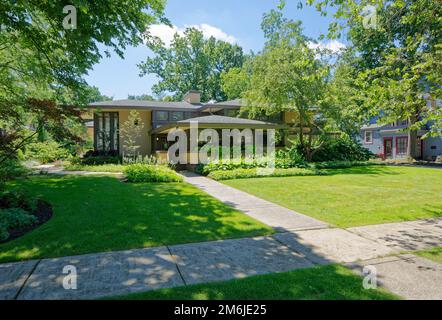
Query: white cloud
{"x": 166, "y": 33}
{"x": 334, "y": 46}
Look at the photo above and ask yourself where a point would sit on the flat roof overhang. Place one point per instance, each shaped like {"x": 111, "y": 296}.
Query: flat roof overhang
{"x": 186, "y": 126}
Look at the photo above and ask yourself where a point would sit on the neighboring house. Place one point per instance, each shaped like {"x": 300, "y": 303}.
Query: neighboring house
{"x": 391, "y": 141}
{"x": 160, "y": 118}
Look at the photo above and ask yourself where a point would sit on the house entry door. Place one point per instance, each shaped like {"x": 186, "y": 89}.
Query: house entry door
{"x": 388, "y": 147}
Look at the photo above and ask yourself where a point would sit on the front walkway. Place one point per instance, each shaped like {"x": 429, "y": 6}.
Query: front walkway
{"x": 280, "y": 218}
{"x": 302, "y": 242}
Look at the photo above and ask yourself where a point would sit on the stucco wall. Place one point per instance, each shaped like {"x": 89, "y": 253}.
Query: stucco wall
{"x": 144, "y": 140}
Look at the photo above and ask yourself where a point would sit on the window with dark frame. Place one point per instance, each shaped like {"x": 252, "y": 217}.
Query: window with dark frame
{"x": 177, "y": 116}
{"x": 401, "y": 146}
{"x": 162, "y": 116}
{"x": 106, "y": 131}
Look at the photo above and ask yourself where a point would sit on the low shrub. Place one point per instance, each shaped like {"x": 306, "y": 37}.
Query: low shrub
{"x": 256, "y": 173}
{"x": 98, "y": 158}
{"x": 18, "y": 199}
{"x": 14, "y": 218}
{"x": 283, "y": 160}
{"x": 45, "y": 151}
{"x": 115, "y": 168}
{"x": 11, "y": 169}
{"x": 151, "y": 173}
{"x": 342, "y": 149}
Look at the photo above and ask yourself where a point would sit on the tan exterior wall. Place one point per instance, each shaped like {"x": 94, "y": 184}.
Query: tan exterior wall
{"x": 144, "y": 141}
{"x": 289, "y": 117}
{"x": 90, "y": 133}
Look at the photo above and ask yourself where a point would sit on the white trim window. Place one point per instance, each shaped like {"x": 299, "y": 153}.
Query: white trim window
{"x": 368, "y": 137}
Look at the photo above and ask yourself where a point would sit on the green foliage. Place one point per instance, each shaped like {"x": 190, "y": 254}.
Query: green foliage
{"x": 10, "y": 169}
{"x": 296, "y": 83}
{"x": 95, "y": 168}
{"x": 151, "y": 173}
{"x": 45, "y": 152}
{"x": 43, "y": 65}
{"x": 257, "y": 173}
{"x": 100, "y": 160}
{"x": 397, "y": 62}
{"x": 18, "y": 198}
{"x": 236, "y": 81}
{"x": 191, "y": 62}
{"x": 14, "y": 218}
{"x": 342, "y": 149}
{"x": 282, "y": 160}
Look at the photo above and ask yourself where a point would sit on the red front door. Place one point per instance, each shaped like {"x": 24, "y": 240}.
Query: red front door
{"x": 388, "y": 147}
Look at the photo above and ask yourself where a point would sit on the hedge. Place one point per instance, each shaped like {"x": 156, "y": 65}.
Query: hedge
{"x": 151, "y": 173}
{"x": 258, "y": 173}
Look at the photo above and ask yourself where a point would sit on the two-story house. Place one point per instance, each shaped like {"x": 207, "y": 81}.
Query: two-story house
{"x": 160, "y": 117}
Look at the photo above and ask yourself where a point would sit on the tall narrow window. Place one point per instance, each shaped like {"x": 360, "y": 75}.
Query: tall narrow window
{"x": 401, "y": 146}
{"x": 106, "y": 135}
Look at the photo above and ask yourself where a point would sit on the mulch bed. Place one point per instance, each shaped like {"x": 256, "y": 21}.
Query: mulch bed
{"x": 43, "y": 214}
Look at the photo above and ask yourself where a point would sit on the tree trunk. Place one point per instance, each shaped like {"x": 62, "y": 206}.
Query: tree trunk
{"x": 412, "y": 140}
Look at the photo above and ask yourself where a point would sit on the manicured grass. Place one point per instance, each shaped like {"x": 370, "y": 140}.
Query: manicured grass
{"x": 434, "y": 254}
{"x": 95, "y": 214}
{"x": 356, "y": 196}
{"x": 96, "y": 168}
{"x": 332, "y": 282}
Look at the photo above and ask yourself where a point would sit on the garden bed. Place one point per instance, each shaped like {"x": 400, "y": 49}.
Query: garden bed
{"x": 43, "y": 213}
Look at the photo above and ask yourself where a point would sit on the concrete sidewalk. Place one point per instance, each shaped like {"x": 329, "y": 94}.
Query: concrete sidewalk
{"x": 124, "y": 272}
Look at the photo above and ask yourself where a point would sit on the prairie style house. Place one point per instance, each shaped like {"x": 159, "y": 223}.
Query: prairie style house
{"x": 159, "y": 118}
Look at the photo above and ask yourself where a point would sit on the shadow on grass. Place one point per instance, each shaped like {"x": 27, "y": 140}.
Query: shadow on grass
{"x": 332, "y": 282}
{"x": 98, "y": 214}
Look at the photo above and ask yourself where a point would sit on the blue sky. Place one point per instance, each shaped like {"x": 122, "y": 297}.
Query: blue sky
{"x": 232, "y": 20}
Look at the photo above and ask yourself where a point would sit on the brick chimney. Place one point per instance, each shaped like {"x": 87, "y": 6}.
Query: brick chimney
{"x": 193, "y": 96}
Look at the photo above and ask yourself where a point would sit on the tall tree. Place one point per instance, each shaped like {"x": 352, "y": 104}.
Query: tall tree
{"x": 191, "y": 62}
{"x": 287, "y": 76}
{"x": 43, "y": 60}
{"x": 399, "y": 58}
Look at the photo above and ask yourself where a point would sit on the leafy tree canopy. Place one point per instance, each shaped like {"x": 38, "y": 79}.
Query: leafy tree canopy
{"x": 398, "y": 57}
{"x": 191, "y": 62}
{"x": 42, "y": 64}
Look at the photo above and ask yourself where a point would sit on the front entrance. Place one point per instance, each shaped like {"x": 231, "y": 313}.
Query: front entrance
{"x": 388, "y": 148}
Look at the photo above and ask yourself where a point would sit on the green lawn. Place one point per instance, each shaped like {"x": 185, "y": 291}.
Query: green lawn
{"x": 434, "y": 254}
{"x": 95, "y": 214}
{"x": 356, "y": 196}
{"x": 332, "y": 282}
